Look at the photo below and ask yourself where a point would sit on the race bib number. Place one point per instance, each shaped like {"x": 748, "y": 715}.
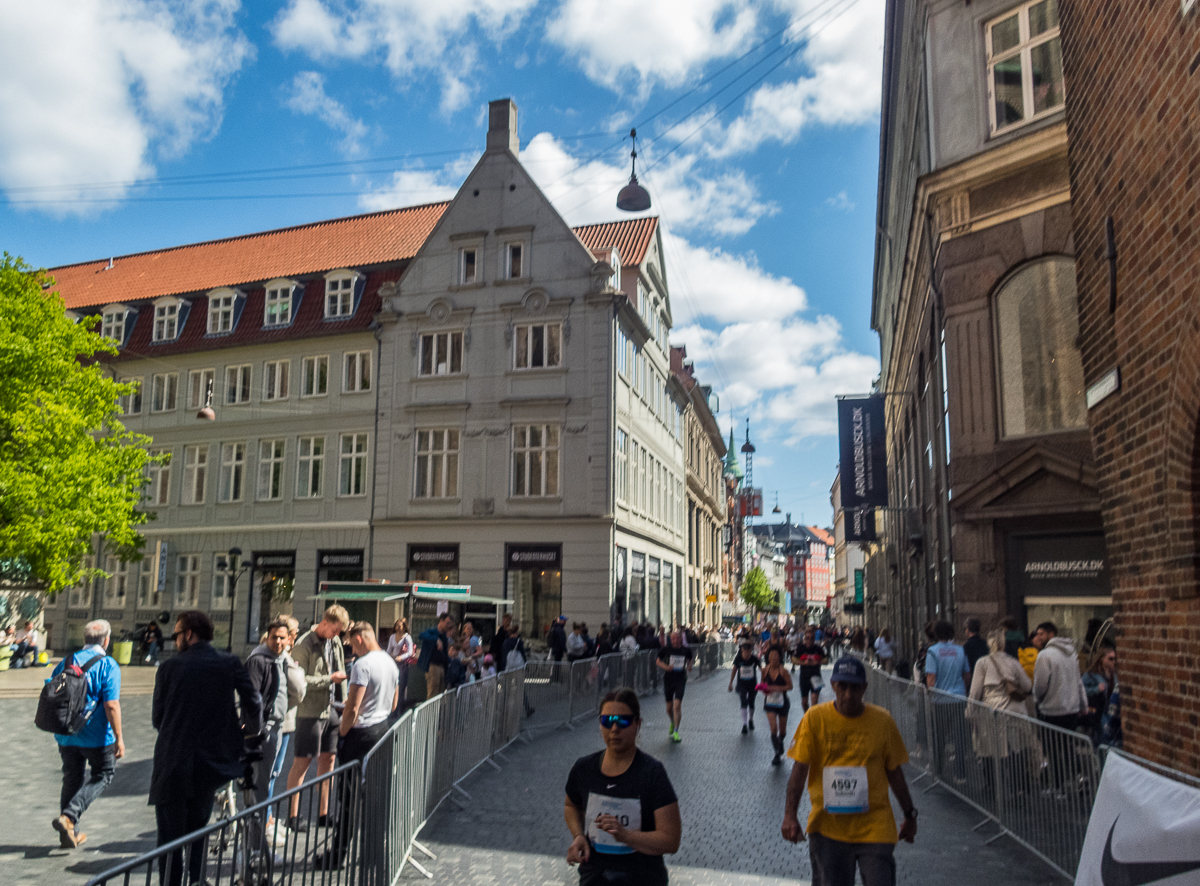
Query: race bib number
{"x": 677, "y": 662}
{"x": 628, "y": 811}
{"x": 746, "y": 673}
{"x": 845, "y": 789}
{"x": 773, "y": 700}
{"x": 816, "y": 684}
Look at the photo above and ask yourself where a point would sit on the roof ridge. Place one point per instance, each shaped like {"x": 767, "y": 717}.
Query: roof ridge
{"x": 255, "y": 234}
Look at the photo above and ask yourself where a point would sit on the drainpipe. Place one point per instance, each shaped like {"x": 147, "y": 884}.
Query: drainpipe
{"x": 378, "y": 332}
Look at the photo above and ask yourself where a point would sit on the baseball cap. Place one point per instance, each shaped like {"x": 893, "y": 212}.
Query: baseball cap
{"x": 562, "y": 618}
{"x": 849, "y": 669}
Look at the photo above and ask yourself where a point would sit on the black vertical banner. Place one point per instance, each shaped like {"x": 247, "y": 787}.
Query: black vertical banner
{"x": 860, "y": 524}
{"x": 862, "y": 446}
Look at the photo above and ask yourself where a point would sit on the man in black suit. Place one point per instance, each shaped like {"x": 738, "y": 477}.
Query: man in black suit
{"x": 200, "y": 741}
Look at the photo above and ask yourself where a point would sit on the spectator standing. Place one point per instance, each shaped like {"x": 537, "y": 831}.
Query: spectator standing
{"x": 999, "y": 681}
{"x": 946, "y": 669}
{"x": 557, "y": 640}
{"x": 404, "y": 653}
{"x": 1099, "y": 683}
{"x": 267, "y": 667}
{"x": 1057, "y": 686}
{"x": 200, "y": 742}
{"x": 885, "y": 651}
{"x": 512, "y": 644}
{"x": 297, "y": 688}
{"x": 26, "y": 640}
{"x": 489, "y": 667}
{"x": 975, "y": 646}
{"x": 152, "y": 641}
{"x": 923, "y": 649}
{"x": 604, "y": 641}
{"x": 456, "y": 670}
{"x": 849, "y": 754}
{"x": 496, "y": 648}
{"x": 470, "y": 646}
{"x": 100, "y": 743}
{"x": 435, "y": 655}
{"x": 629, "y": 643}
{"x": 320, "y": 655}
{"x": 374, "y": 691}
{"x": 576, "y": 645}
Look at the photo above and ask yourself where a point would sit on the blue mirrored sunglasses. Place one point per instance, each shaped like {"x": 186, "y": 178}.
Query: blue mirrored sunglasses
{"x": 621, "y": 721}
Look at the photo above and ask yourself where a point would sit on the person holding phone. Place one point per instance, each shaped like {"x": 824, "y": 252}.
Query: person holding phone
{"x": 621, "y": 808}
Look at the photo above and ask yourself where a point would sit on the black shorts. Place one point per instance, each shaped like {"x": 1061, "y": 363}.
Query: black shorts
{"x": 315, "y": 736}
{"x": 673, "y": 686}
{"x": 806, "y": 679}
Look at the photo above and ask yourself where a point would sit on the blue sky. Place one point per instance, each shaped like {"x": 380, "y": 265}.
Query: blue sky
{"x": 139, "y": 124}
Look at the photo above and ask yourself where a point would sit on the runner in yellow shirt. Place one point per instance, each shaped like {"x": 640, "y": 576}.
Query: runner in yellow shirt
{"x": 849, "y": 753}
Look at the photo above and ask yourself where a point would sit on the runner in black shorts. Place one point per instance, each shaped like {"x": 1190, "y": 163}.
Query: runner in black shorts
{"x": 745, "y": 669}
{"x": 776, "y": 703}
{"x": 810, "y": 655}
{"x": 675, "y": 660}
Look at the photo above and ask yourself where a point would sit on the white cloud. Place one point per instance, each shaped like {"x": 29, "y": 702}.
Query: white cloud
{"x": 308, "y": 96}
{"x": 409, "y": 187}
{"x": 662, "y": 40}
{"x": 91, "y": 90}
{"x": 840, "y": 201}
{"x": 413, "y": 38}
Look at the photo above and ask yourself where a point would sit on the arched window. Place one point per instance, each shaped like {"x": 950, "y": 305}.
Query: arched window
{"x": 1041, "y": 372}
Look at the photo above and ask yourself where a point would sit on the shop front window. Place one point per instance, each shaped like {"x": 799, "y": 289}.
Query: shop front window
{"x": 435, "y": 564}
{"x": 272, "y": 587}
{"x": 636, "y": 608}
{"x": 654, "y": 598}
{"x": 533, "y": 581}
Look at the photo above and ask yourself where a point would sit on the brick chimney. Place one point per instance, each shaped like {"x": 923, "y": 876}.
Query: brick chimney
{"x": 502, "y": 126}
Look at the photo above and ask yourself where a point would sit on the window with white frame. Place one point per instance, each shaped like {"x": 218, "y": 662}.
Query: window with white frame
{"x": 166, "y": 321}
{"x": 310, "y": 467}
{"x": 622, "y": 352}
{"x": 199, "y": 381}
{"x": 147, "y": 593}
{"x": 468, "y": 264}
{"x": 225, "y": 568}
{"x": 356, "y": 372}
{"x": 535, "y": 460}
{"x": 164, "y": 390}
{"x": 436, "y": 470}
{"x": 537, "y": 346}
{"x": 131, "y": 403}
{"x": 117, "y": 583}
{"x": 1025, "y": 69}
{"x": 314, "y": 376}
{"x": 515, "y": 260}
{"x": 187, "y": 581}
{"x": 270, "y": 469}
{"x": 275, "y": 379}
{"x": 277, "y": 307}
{"x": 622, "y": 467}
{"x": 339, "y": 295}
{"x": 158, "y": 490}
{"x": 221, "y": 306}
{"x": 80, "y": 595}
{"x": 113, "y": 323}
{"x": 195, "y": 474}
{"x": 352, "y": 465}
{"x": 237, "y": 385}
{"x": 441, "y": 353}
{"x": 233, "y": 472}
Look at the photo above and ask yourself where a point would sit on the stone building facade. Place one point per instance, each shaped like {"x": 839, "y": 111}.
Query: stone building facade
{"x": 1131, "y": 72}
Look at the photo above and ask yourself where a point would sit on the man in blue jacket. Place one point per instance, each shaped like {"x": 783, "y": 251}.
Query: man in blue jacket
{"x": 99, "y": 744}
{"x": 435, "y": 655}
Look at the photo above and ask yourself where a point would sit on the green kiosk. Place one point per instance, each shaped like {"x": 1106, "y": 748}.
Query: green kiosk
{"x": 382, "y": 603}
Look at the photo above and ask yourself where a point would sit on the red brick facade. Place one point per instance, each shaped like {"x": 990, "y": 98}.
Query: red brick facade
{"x": 1133, "y": 75}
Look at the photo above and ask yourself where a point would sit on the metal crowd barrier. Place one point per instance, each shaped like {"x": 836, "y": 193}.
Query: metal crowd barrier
{"x": 1035, "y": 781}
{"x": 379, "y": 805}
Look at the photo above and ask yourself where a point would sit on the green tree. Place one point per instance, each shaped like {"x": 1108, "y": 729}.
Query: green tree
{"x": 68, "y": 467}
{"x": 756, "y": 590}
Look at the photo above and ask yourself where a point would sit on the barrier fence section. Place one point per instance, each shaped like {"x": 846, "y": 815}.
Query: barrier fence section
{"x": 414, "y": 767}
{"x": 1033, "y": 780}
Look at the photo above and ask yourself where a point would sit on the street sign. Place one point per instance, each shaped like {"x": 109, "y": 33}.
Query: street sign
{"x": 711, "y": 598}
{"x": 858, "y": 586}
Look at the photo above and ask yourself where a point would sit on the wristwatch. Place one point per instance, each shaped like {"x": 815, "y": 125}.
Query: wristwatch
{"x": 911, "y": 814}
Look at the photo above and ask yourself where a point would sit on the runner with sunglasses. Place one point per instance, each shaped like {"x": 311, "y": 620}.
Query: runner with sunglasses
{"x": 621, "y": 808}
{"x": 745, "y": 669}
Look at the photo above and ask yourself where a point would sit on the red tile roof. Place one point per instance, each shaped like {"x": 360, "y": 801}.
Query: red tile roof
{"x": 354, "y": 242}
{"x": 632, "y": 237}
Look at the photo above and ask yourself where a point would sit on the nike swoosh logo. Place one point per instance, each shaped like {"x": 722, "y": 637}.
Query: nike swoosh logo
{"x": 611, "y": 786}
{"x": 1138, "y": 873}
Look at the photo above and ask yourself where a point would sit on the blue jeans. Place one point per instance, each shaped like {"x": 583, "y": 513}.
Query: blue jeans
{"x": 78, "y": 793}
{"x": 280, "y": 757}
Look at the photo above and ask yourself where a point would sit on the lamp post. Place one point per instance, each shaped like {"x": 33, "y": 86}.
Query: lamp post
{"x": 234, "y": 574}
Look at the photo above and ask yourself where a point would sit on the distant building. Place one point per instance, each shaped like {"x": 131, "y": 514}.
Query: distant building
{"x": 849, "y": 567}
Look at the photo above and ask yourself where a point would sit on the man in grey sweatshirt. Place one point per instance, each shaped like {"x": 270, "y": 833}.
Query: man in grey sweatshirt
{"x": 267, "y": 666}
{"x": 1057, "y": 685}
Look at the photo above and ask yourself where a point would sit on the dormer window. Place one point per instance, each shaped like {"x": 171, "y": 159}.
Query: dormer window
{"x": 278, "y": 307}
{"x": 222, "y": 310}
{"x": 339, "y": 294}
{"x": 614, "y": 261}
{"x": 168, "y": 318}
{"x": 113, "y": 323}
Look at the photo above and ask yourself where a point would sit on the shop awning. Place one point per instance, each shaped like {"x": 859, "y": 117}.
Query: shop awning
{"x": 385, "y": 593}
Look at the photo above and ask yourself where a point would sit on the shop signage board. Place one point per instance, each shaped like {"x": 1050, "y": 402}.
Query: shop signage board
{"x": 533, "y": 556}
{"x": 352, "y": 559}
{"x": 862, "y": 448}
{"x": 858, "y": 586}
{"x": 860, "y": 524}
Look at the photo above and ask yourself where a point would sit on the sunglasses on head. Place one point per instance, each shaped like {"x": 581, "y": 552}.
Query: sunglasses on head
{"x": 621, "y": 721}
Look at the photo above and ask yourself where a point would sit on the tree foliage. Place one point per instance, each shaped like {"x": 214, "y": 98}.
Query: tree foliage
{"x": 756, "y": 590}
{"x": 68, "y": 467}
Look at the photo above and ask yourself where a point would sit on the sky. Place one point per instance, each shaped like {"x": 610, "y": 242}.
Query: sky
{"x": 140, "y": 124}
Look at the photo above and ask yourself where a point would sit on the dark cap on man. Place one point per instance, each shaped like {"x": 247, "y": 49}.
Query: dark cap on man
{"x": 849, "y": 669}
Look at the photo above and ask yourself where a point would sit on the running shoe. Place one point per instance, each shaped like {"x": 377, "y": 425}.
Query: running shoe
{"x": 676, "y": 737}
{"x": 745, "y": 729}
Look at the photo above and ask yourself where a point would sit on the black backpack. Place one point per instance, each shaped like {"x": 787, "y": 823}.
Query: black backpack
{"x": 62, "y": 707}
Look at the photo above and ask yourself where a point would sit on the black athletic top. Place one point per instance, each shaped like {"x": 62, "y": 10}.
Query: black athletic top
{"x": 745, "y": 667}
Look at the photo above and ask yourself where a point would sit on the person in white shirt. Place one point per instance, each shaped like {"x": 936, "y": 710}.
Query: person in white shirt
{"x": 885, "y": 651}
{"x": 27, "y": 642}
{"x": 403, "y": 651}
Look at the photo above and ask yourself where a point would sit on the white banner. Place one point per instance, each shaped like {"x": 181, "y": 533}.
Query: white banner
{"x": 1145, "y": 828}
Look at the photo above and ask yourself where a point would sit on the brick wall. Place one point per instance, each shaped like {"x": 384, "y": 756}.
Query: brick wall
{"x": 1133, "y": 79}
